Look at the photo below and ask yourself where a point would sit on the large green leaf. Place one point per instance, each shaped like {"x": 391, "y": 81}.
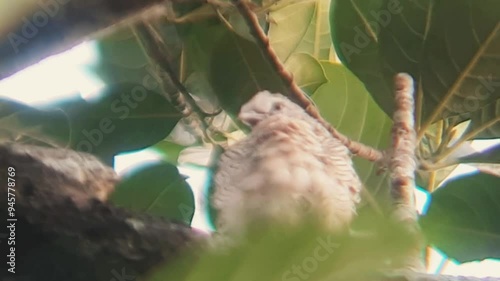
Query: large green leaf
{"x": 345, "y": 103}
{"x": 200, "y": 40}
{"x": 239, "y": 70}
{"x": 450, "y": 47}
{"x": 234, "y": 69}
{"x": 357, "y": 46}
{"x": 462, "y": 219}
{"x": 122, "y": 58}
{"x": 301, "y": 27}
{"x": 127, "y": 117}
{"x": 156, "y": 189}
{"x": 307, "y": 72}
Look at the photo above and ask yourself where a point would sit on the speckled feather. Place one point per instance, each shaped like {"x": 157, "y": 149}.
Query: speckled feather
{"x": 289, "y": 165}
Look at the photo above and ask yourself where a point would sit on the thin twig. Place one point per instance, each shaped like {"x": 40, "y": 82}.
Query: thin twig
{"x": 402, "y": 168}
{"x": 154, "y": 46}
{"x": 252, "y": 21}
{"x": 179, "y": 104}
{"x": 157, "y": 49}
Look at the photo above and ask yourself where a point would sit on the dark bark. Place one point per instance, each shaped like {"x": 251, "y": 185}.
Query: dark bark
{"x": 54, "y": 26}
{"x": 63, "y": 231}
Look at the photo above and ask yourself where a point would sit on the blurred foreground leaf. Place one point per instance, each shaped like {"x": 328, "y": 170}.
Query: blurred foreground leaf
{"x": 462, "y": 220}
{"x": 282, "y": 253}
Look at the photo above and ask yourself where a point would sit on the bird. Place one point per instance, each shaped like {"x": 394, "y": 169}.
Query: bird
{"x": 287, "y": 168}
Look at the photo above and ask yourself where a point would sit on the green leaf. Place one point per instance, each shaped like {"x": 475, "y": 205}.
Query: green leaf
{"x": 301, "y": 253}
{"x": 301, "y": 27}
{"x": 156, "y": 189}
{"x": 307, "y": 72}
{"x": 240, "y": 26}
{"x": 450, "y": 47}
{"x": 462, "y": 220}
{"x": 238, "y": 71}
{"x": 122, "y": 59}
{"x": 235, "y": 68}
{"x": 357, "y": 46}
{"x": 345, "y": 103}
{"x": 126, "y": 117}
{"x": 200, "y": 40}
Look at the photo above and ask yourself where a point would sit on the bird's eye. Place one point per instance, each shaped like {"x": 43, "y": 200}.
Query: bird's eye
{"x": 277, "y": 106}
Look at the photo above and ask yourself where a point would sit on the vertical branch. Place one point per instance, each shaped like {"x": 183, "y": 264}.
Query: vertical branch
{"x": 402, "y": 169}
{"x": 262, "y": 40}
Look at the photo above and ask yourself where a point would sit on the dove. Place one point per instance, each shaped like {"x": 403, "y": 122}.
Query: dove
{"x": 287, "y": 169}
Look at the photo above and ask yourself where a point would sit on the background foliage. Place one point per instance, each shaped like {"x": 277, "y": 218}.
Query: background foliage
{"x": 344, "y": 55}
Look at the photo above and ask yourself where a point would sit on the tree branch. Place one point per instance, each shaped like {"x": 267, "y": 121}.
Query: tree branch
{"x": 60, "y": 217}
{"x": 402, "y": 167}
{"x": 54, "y": 26}
{"x": 158, "y": 53}
{"x": 296, "y": 93}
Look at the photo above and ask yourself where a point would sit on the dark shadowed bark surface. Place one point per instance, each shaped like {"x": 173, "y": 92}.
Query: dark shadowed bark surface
{"x": 63, "y": 231}
{"x": 53, "y": 26}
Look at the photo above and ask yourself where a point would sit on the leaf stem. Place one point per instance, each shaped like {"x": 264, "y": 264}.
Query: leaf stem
{"x": 432, "y": 181}
{"x": 419, "y": 105}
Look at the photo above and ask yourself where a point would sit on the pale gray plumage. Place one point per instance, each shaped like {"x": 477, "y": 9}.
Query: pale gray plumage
{"x": 288, "y": 160}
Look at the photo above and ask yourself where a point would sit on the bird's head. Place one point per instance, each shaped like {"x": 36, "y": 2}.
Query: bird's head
{"x": 265, "y": 104}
